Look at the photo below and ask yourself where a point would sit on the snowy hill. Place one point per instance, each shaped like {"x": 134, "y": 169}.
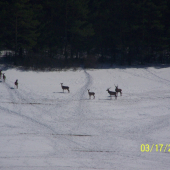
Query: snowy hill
{"x": 43, "y": 128}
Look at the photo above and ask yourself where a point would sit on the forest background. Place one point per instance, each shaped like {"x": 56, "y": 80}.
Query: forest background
{"x": 73, "y": 33}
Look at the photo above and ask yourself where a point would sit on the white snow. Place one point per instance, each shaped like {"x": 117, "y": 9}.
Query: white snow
{"x": 43, "y": 128}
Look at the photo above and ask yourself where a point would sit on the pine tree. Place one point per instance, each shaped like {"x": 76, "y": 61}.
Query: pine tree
{"x": 21, "y": 26}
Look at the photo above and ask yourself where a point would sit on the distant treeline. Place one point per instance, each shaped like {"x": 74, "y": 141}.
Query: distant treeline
{"x": 73, "y": 32}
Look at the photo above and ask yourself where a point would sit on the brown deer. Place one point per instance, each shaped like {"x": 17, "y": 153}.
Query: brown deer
{"x": 65, "y": 88}
{"x": 91, "y": 94}
{"x": 4, "y": 77}
{"x": 16, "y": 83}
{"x": 112, "y": 93}
{"x": 118, "y": 90}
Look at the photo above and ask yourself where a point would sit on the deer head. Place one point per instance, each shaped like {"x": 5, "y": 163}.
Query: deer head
{"x": 108, "y": 89}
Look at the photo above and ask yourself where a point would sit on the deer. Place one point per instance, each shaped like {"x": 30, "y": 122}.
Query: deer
{"x": 91, "y": 94}
{"x": 4, "y": 77}
{"x": 16, "y": 83}
{"x": 65, "y": 88}
{"x": 112, "y": 93}
{"x": 118, "y": 90}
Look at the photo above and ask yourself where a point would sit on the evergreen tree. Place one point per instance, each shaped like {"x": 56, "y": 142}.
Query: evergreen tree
{"x": 21, "y": 26}
{"x": 4, "y": 27}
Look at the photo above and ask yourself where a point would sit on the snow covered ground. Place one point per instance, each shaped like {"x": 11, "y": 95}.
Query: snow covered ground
{"x": 43, "y": 128}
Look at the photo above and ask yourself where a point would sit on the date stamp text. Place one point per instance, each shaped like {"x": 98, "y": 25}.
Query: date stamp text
{"x": 155, "y": 147}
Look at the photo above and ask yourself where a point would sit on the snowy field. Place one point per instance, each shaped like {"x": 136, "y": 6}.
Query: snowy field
{"x": 42, "y": 128}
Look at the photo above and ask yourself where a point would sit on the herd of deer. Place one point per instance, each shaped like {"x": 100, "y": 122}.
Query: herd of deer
{"x": 4, "y": 78}
{"x": 112, "y": 93}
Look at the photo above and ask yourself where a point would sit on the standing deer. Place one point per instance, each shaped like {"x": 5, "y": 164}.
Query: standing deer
{"x": 16, "y": 83}
{"x": 112, "y": 93}
{"x": 4, "y": 77}
{"x": 118, "y": 90}
{"x": 91, "y": 94}
{"x": 65, "y": 88}
{"x": 0, "y": 73}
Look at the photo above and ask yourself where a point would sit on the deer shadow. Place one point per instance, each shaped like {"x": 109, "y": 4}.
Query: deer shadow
{"x": 108, "y": 98}
{"x": 105, "y": 99}
{"x": 60, "y": 92}
{"x": 87, "y": 99}
{"x": 12, "y": 88}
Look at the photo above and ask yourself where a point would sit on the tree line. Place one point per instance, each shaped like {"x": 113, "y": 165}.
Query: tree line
{"x": 86, "y": 31}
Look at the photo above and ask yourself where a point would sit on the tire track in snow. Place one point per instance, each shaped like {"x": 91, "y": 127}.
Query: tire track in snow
{"x": 80, "y": 94}
{"x": 156, "y": 95}
{"x": 20, "y": 96}
{"x": 145, "y": 76}
{"x": 15, "y": 97}
{"x": 36, "y": 121}
{"x": 83, "y": 90}
{"x": 82, "y": 125}
{"x": 158, "y": 123}
{"x": 79, "y": 109}
{"x": 78, "y": 112}
{"x": 147, "y": 129}
{"x": 25, "y": 117}
{"x": 158, "y": 77}
{"x": 52, "y": 131}
{"x": 145, "y": 96}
